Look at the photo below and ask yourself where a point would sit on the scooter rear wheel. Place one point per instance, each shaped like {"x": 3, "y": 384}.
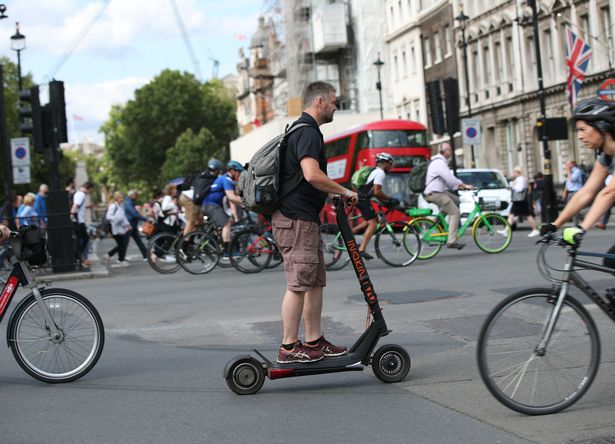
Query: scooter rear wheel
{"x": 391, "y": 363}
{"x": 246, "y": 376}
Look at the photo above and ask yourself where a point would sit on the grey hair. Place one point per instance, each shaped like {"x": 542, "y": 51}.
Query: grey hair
{"x": 314, "y": 90}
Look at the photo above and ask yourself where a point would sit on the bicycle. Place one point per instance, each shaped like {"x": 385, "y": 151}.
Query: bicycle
{"x": 538, "y": 351}
{"x": 199, "y": 251}
{"x": 396, "y": 244}
{"x": 161, "y": 250}
{"x": 56, "y": 335}
{"x": 491, "y": 232}
{"x": 254, "y": 248}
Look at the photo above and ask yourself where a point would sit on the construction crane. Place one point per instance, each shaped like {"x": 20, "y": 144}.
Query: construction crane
{"x": 180, "y": 23}
{"x": 75, "y": 43}
{"x": 216, "y": 67}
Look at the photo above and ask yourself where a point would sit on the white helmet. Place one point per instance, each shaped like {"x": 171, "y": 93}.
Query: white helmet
{"x": 384, "y": 157}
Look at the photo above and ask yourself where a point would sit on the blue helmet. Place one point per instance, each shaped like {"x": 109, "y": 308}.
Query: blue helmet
{"x": 215, "y": 164}
{"x": 234, "y": 165}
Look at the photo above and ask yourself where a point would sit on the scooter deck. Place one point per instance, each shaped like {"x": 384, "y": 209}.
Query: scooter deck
{"x": 332, "y": 364}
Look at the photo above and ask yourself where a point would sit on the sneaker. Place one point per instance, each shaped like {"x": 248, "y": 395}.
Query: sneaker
{"x": 124, "y": 264}
{"x": 327, "y": 348}
{"x": 504, "y": 232}
{"x": 365, "y": 255}
{"x": 534, "y": 233}
{"x": 106, "y": 258}
{"x": 455, "y": 245}
{"x": 168, "y": 258}
{"x": 87, "y": 263}
{"x": 299, "y": 353}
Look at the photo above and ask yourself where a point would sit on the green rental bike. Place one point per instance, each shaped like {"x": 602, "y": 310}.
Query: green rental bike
{"x": 395, "y": 243}
{"x": 491, "y": 232}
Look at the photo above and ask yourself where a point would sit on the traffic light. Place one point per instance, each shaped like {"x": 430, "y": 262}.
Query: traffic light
{"x": 451, "y": 100}
{"x": 58, "y": 110}
{"x": 435, "y": 106}
{"x": 31, "y": 117}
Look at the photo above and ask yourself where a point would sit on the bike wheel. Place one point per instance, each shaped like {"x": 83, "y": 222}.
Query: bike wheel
{"x": 250, "y": 252}
{"x": 333, "y": 247}
{"x": 391, "y": 247}
{"x": 525, "y": 377}
{"x": 276, "y": 257}
{"x": 197, "y": 252}
{"x": 161, "y": 253}
{"x": 429, "y": 247}
{"x": 492, "y": 233}
{"x": 71, "y": 353}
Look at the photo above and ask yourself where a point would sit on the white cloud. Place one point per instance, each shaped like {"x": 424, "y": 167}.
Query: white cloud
{"x": 92, "y": 103}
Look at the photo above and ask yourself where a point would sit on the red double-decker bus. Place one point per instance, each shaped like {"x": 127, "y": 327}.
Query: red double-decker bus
{"x": 357, "y": 147}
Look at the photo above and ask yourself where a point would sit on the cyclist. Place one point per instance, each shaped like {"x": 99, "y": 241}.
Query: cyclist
{"x": 595, "y": 122}
{"x": 439, "y": 179}
{"x": 192, "y": 211}
{"x": 373, "y": 188}
{"x": 223, "y": 186}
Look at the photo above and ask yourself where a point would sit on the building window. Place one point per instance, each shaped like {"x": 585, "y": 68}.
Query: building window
{"x": 607, "y": 30}
{"x": 404, "y": 64}
{"x": 437, "y": 47}
{"x": 427, "y": 47}
{"x": 550, "y": 55}
{"x": 530, "y": 53}
{"x": 412, "y": 60}
{"x": 396, "y": 67}
{"x": 585, "y": 29}
{"x": 392, "y": 21}
{"x": 511, "y": 68}
{"x": 447, "y": 41}
{"x": 499, "y": 68}
{"x": 477, "y": 80}
{"x": 417, "y": 110}
{"x": 487, "y": 70}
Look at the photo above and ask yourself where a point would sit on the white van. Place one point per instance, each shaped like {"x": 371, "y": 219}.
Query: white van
{"x": 492, "y": 187}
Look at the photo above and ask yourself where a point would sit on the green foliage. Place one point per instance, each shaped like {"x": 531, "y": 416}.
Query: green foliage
{"x": 164, "y": 121}
{"x": 190, "y": 154}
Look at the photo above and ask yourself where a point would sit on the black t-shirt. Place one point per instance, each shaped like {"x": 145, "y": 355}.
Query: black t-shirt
{"x": 304, "y": 202}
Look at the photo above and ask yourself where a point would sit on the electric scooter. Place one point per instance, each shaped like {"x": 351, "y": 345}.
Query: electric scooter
{"x": 245, "y": 374}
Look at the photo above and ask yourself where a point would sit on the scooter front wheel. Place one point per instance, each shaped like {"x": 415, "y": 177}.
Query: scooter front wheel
{"x": 391, "y": 363}
{"x": 246, "y": 376}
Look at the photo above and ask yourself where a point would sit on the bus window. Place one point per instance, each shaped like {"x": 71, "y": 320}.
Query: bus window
{"x": 396, "y": 185}
{"x": 338, "y": 147}
{"x": 393, "y": 139}
{"x": 402, "y": 161}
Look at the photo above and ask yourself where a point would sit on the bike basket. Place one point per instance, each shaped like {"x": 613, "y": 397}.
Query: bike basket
{"x": 33, "y": 245}
{"x": 418, "y": 212}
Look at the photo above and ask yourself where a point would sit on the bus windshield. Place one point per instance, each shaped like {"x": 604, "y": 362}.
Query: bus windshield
{"x": 393, "y": 139}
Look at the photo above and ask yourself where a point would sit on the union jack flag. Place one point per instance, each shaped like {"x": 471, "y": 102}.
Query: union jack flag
{"x": 578, "y": 54}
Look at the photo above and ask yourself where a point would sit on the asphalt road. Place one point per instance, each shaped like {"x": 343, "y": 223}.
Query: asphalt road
{"x": 169, "y": 336}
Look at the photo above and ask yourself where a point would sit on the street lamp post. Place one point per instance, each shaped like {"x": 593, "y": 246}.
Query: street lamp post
{"x": 548, "y": 191}
{"x": 461, "y": 18}
{"x": 18, "y": 44}
{"x": 379, "y": 64}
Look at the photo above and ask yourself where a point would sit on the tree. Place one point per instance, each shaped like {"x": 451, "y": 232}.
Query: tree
{"x": 190, "y": 154}
{"x": 139, "y": 135}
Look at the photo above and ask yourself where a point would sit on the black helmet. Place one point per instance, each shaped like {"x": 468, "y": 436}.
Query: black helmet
{"x": 597, "y": 112}
{"x": 215, "y": 164}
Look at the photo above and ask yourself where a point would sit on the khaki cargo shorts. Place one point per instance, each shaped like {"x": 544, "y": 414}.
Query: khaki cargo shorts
{"x": 301, "y": 247}
{"x": 191, "y": 211}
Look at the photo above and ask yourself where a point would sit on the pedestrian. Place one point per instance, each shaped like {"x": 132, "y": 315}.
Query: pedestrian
{"x": 520, "y": 201}
{"x": 8, "y": 211}
{"x": 537, "y": 192}
{"x": 77, "y": 211}
{"x": 296, "y": 229}
{"x": 168, "y": 215}
{"x": 574, "y": 182}
{"x": 40, "y": 205}
{"x": 438, "y": 181}
{"x": 120, "y": 229}
{"x": 134, "y": 217}
{"x": 70, "y": 189}
{"x": 28, "y": 215}
{"x": 607, "y": 215}
{"x": 595, "y": 124}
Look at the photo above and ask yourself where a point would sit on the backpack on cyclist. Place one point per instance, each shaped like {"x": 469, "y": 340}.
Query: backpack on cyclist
{"x": 202, "y": 183}
{"x": 360, "y": 176}
{"x": 416, "y": 181}
{"x": 260, "y": 186}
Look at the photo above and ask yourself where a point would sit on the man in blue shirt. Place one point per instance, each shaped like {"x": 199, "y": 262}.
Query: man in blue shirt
{"x": 223, "y": 186}
{"x": 134, "y": 217}
{"x": 40, "y": 204}
{"x": 574, "y": 182}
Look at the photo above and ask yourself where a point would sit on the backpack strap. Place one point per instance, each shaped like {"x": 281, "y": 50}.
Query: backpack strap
{"x": 286, "y": 186}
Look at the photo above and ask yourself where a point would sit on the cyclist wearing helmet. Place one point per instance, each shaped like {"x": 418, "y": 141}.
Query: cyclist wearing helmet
{"x": 192, "y": 212}
{"x": 373, "y": 188}
{"x": 595, "y": 124}
{"x": 223, "y": 186}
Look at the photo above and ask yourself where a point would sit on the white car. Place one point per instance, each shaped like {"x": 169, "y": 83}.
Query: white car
{"x": 492, "y": 186}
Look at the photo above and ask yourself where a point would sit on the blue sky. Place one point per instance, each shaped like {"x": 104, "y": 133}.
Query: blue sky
{"x": 131, "y": 42}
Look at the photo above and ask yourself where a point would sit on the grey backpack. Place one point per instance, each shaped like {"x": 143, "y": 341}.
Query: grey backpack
{"x": 260, "y": 186}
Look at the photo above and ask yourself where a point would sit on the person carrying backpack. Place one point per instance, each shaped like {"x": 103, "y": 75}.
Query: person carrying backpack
{"x": 223, "y": 186}
{"x": 373, "y": 188}
{"x": 438, "y": 181}
{"x": 192, "y": 210}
